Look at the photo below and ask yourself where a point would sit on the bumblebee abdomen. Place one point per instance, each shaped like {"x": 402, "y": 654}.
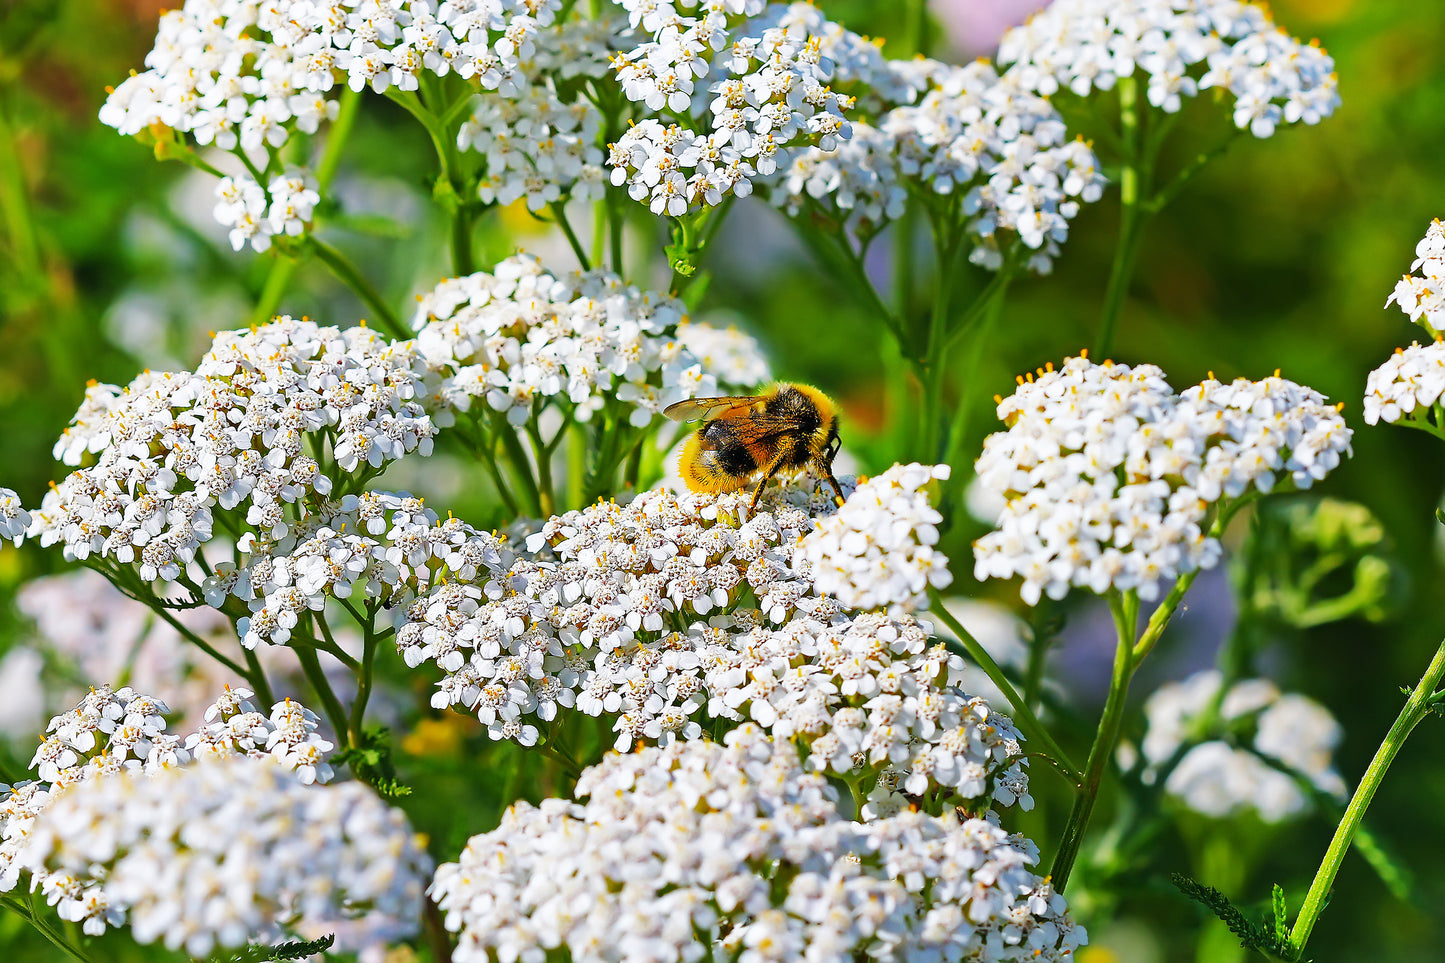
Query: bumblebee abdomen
{"x": 707, "y": 468}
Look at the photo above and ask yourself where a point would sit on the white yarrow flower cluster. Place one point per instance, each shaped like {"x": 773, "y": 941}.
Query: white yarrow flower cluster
{"x": 541, "y": 144}
{"x": 700, "y": 851}
{"x": 732, "y": 356}
{"x": 658, "y": 614}
{"x": 224, "y": 853}
{"x": 244, "y": 75}
{"x": 998, "y": 147}
{"x": 521, "y": 337}
{"x": 1113, "y": 481}
{"x": 1280, "y": 749}
{"x": 173, "y": 448}
{"x": 1422, "y": 296}
{"x": 1180, "y": 49}
{"x": 247, "y": 72}
{"x": 732, "y": 88}
{"x": 373, "y": 548}
{"x": 878, "y": 550}
{"x": 1408, "y": 386}
{"x": 256, "y": 214}
{"x": 14, "y": 519}
{"x": 121, "y": 731}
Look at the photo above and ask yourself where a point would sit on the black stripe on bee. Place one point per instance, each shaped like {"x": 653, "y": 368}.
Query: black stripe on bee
{"x": 729, "y": 454}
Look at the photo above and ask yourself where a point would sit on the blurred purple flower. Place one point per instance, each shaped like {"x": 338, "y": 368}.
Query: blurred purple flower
{"x": 974, "y": 27}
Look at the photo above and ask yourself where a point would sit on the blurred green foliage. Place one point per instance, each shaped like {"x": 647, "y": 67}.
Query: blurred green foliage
{"x": 1279, "y": 256}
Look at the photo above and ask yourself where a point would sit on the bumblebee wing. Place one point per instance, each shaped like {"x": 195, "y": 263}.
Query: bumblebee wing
{"x": 756, "y": 428}
{"x": 700, "y": 409}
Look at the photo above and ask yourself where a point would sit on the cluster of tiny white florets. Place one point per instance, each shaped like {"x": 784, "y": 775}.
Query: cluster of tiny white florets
{"x": 1408, "y": 386}
{"x": 739, "y": 84}
{"x": 700, "y": 851}
{"x": 172, "y": 448}
{"x": 374, "y": 548}
{"x": 877, "y": 551}
{"x": 1000, "y": 149}
{"x": 244, "y": 75}
{"x": 247, "y": 72}
{"x": 521, "y": 336}
{"x": 1266, "y": 753}
{"x": 1181, "y": 48}
{"x": 657, "y": 613}
{"x": 1422, "y": 296}
{"x": 541, "y": 143}
{"x": 732, "y": 356}
{"x": 255, "y": 214}
{"x": 14, "y": 519}
{"x": 1113, "y": 481}
{"x": 224, "y": 853}
{"x": 120, "y": 731}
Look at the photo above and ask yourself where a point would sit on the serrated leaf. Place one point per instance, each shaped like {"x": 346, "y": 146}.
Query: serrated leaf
{"x": 1250, "y": 934}
{"x": 291, "y": 950}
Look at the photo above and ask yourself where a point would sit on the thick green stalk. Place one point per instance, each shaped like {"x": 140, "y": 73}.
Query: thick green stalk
{"x": 348, "y": 274}
{"x": 45, "y": 930}
{"x": 933, "y": 370}
{"x": 257, "y": 678}
{"x": 559, "y": 214}
{"x": 975, "y": 651}
{"x": 363, "y": 684}
{"x": 1415, "y": 709}
{"x": 335, "y": 714}
{"x": 1105, "y": 739}
{"x": 1130, "y": 218}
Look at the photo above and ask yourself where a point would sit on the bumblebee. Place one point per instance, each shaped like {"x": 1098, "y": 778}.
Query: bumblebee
{"x": 789, "y": 427}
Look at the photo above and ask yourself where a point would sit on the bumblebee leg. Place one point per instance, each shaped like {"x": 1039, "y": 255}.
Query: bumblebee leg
{"x": 767, "y": 477}
{"x": 825, "y": 465}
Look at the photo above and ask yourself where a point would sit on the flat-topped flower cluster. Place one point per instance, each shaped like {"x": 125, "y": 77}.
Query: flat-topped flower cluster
{"x": 701, "y": 851}
{"x": 675, "y": 612}
{"x": 968, "y": 135}
{"x": 271, "y": 420}
{"x": 225, "y": 853}
{"x": 1407, "y": 387}
{"x": 732, "y": 88}
{"x": 520, "y": 336}
{"x": 1266, "y": 753}
{"x": 1180, "y": 49}
{"x": 121, "y": 733}
{"x": 1112, "y": 480}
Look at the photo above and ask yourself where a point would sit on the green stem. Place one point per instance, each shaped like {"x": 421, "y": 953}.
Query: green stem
{"x": 335, "y": 713}
{"x": 1130, "y": 219}
{"x": 547, "y": 495}
{"x": 559, "y": 214}
{"x": 1415, "y": 709}
{"x": 517, "y": 457}
{"x": 1102, "y": 750}
{"x": 200, "y": 643}
{"x": 975, "y": 651}
{"x": 330, "y": 163}
{"x": 1159, "y": 620}
{"x": 360, "y": 286}
{"x": 45, "y": 930}
{"x": 257, "y": 677}
{"x": 363, "y": 684}
{"x": 986, "y": 309}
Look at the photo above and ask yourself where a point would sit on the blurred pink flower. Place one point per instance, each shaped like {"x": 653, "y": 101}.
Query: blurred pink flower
{"x": 974, "y": 27}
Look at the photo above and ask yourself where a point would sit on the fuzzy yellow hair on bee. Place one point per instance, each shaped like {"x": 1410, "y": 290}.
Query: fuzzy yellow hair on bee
{"x": 788, "y": 427}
